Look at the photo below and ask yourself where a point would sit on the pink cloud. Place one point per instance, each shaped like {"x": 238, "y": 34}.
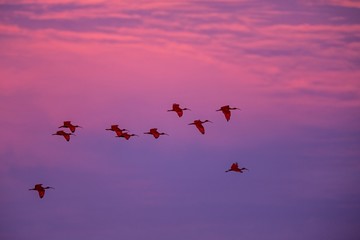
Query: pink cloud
{"x": 342, "y": 3}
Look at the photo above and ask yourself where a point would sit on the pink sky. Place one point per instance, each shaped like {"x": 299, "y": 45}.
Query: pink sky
{"x": 292, "y": 68}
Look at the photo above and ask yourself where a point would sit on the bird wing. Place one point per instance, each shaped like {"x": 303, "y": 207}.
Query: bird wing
{"x": 227, "y": 114}
{"x": 67, "y": 137}
{"x": 41, "y": 192}
{"x": 119, "y": 133}
{"x": 114, "y": 127}
{"x": 234, "y": 166}
{"x": 179, "y": 112}
{"x": 201, "y": 128}
{"x": 156, "y": 134}
{"x": 72, "y": 128}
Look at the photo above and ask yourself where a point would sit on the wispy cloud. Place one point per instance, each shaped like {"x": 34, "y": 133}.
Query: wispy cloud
{"x": 341, "y": 3}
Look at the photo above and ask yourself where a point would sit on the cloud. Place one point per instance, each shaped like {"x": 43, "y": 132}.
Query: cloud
{"x": 341, "y": 3}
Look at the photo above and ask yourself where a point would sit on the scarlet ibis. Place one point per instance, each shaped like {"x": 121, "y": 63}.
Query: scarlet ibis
{"x": 67, "y": 124}
{"x": 126, "y": 135}
{"x": 64, "y": 134}
{"x": 199, "y": 125}
{"x": 117, "y": 130}
{"x": 155, "y": 133}
{"x": 176, "y": 108}
{"x": 235, "y": 168}
{"x": 226, "y": 111}
{"x": 40, "y": 189}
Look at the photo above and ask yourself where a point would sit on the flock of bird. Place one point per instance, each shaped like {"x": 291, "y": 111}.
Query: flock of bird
{"x": 124, "y": 133}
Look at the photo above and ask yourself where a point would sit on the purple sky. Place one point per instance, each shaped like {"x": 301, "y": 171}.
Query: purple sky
{"x": 291, "y": 66}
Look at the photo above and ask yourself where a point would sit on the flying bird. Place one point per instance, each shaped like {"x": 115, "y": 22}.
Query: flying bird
{"x": 117, "y": 130}
{"x": 40, "y": 189}
{"x": 199, "y": 125}
{"x": 155, "y": 133}
{"x": 67, "y": 124}
{"x": 235, "y": 168}
{"x": 176, "y": 108}
{"x": 64, "y": 134}
{"x": 126, "y": 135}
{"x": 226, "y": 111}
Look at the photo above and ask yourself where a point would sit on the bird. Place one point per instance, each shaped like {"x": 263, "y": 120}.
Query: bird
{"x": 64, "y": 134}
{"x": 40, "y": 189}
{"x": 117, "y": 130}
{"x": 199, "y": 125}
{"x": 176, "y": 108}
{"x": 126, "y": 135}
{"x": 235, "y": 168}
{"x": 226, "y": 111}
{"x": 155, "y": 133}
{"x": 67, "y": 124}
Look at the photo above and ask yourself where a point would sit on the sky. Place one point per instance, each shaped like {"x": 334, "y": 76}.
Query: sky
{"x": 292, "y": 67}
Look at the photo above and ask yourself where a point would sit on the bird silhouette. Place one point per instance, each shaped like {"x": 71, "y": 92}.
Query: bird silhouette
{"x": 40, "y": 189}
{"x": 155, "y": 133}
{"x": 117, "y": 130}
{"x": 67, "y": 124}
{"x": 176, "y": 108}
{"x": 64, "y": 134}
{"x": 199, "y": 125}
{"x": 235, "y": 168}
{"x": 226, "y": 111}
{"x": 126, "y": 135}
